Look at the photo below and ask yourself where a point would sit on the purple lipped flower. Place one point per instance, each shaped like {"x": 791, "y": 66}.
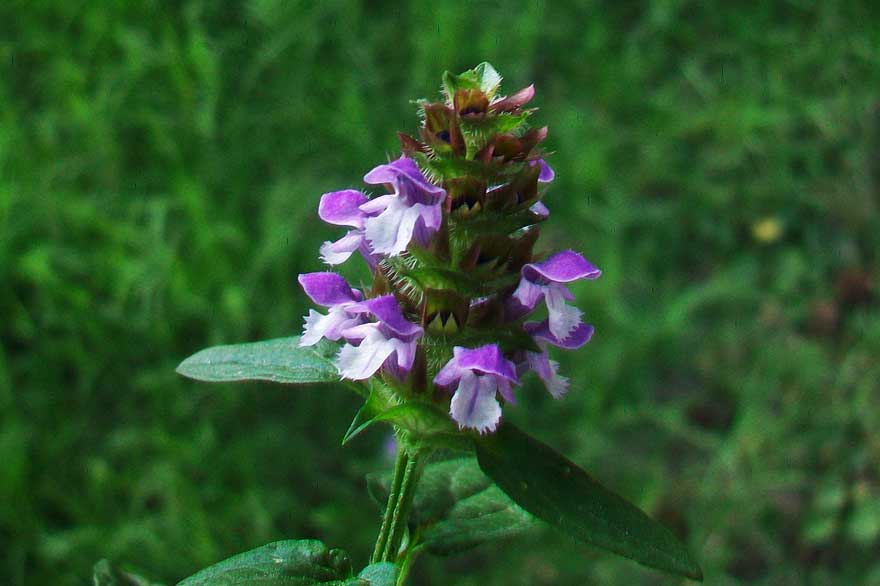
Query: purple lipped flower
{"x": 480, "y": 373}
{"x": 329, "y": 290}
{"x": 342, "y": 208}
{"x": 414, "y": 210}
{"x": 540, "y": 363}
{"x": 546, "y": 280}
{"x": 390, "y": 341}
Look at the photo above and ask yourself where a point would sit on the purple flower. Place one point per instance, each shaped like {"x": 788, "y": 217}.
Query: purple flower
{"x": 331, "y": 291}
{"x": 546, "y": 280}
{"x": 342, "y": 208}
{"x": 390, "y": 341}
{"x": 540, "y": 363}
{"x": 414, "y": 210}
{"x": 480, "y": 373}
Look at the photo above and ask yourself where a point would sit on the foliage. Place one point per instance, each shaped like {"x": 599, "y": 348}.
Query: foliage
{"x": 159, "y": 171}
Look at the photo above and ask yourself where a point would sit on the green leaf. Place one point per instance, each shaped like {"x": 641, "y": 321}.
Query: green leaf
{"x": 458, "y": 507}
{"x": 281, "y": 360}
{"x": 554, "y": 489}
{"x": 106, "y": 574}
{"x": 380, "y": 574}
{"x": 282, "y": 563}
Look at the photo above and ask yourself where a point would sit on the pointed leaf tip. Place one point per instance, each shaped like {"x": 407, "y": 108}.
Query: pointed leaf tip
{"x": 551, "y": 487}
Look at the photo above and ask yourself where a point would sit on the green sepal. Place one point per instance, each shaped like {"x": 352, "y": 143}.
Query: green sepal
{"x": 477, "y": 131}
{"x": 423, "y": 422}
{"x": 483, "y": 77}
{"x": 551, "y": 487}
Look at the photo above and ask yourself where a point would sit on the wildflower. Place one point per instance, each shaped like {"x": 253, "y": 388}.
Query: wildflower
{"x": 546, "y": 280}
{"x": 414, "y": 210}
{"x": 342, "y": 208}
{"x": 390, "y": 341}
{"x": 480, "y": 373}
{"x": 329, "y": 290}
{"x": 540, "y": 363}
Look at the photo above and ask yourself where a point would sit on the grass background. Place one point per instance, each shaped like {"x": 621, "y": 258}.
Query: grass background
{"x": 160, "y": 167}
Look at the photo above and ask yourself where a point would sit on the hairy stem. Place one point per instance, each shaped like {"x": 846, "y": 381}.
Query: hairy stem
{"x": 400, "y": 466}
{"x": 399, "y": 519}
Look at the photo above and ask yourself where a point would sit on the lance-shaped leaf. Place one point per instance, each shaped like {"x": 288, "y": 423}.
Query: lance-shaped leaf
{"x": 458, "y": 507}
{"x": 554, "y": 489}
{"x": 293, "y": 562}
{"x": 281, "y": 360}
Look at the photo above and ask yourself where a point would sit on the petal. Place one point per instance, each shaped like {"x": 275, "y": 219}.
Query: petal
{"x": 548, "y": 371}
{"x": 342, "y": 208}
{"x": 576, "y": 338}
{"x": 547, "y": 173}
{"x": 540, "y": 210}
{"x": 528, "y": 294}
{"x": 449, "y": 374}
{"x": 389, "y": 172}
{"x": 474, "y": 404}
{"x": 328, "y": 289}
{"x": 487, "y": 360}
{"x": 386, "y": 309}
{"x": 330, "y": 326}
{"x": 562, "y": 318}
{"x": 377, "y": 205}
{"x": 362, "y": 362}
{"x": 334, "y": 253}
{"x": 390, "y": 232}
{"x": 562, "y": 267}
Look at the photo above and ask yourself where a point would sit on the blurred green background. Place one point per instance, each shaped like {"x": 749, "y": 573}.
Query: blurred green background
{"x": 160, "y": 167}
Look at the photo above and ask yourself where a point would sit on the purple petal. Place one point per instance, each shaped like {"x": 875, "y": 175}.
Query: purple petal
{"x": 408, "y": 181}
{"x": 540, "y": 210}
{"x": 474, "y": 404}
{"x": 562, "y": 267}
{"x": 486, "y": 359}
{"x": 527, "y": 295}
{"x": 342, "y": 208}
{"x": 388, "y": 312}
{"x": 563, "y": 318}
{"x": 328, "y": 289}
{"x": 334, "y": 253}
{"x": 577, "y": 338}
{"x": 548, "y": 371}
{"x": 547, "y": 173}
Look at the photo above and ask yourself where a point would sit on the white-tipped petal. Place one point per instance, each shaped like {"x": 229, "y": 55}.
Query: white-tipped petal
{"x": 563, "y": 318}
{"x": 474, "y": 404}
{"x": 362, "y": 361}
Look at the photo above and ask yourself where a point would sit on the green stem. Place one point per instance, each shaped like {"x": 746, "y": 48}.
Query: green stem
{"x": 404, "y": 503}
{"x": 400, "y": 465}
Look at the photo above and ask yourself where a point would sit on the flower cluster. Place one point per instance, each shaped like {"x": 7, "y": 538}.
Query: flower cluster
{"x": 450, "y": 244}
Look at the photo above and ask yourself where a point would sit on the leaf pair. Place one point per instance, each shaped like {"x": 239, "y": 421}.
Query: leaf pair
{"x": 457, "y": 506}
